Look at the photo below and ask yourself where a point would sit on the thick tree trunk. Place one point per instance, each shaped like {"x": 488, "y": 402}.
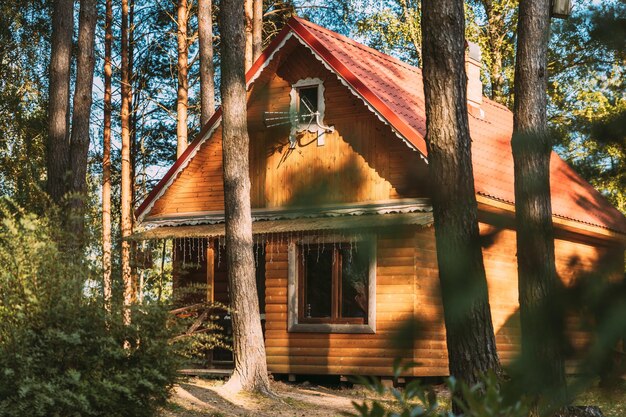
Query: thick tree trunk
{"x": 79, "y": 143}
{"x": 207, "y": 72}
{"x": 257, "y": 29}
{"x": 249, "y": 17}
{"x": 183, "y": 78}
{"x": 58, "y": 147}
{"x": 250, "y": 364}
{"x": 106, "y": 157}
{"x": 126, "y": 188}
{"x": 469, "y": 330}
{"x": 538, "y": 280}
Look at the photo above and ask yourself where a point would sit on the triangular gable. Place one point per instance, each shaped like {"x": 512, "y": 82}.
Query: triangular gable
{"x": 393, "y": 91}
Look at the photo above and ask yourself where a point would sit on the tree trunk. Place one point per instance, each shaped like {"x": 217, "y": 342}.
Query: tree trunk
{"x": 126, "y": 188}
{"x": 249, "y": 12}
{"x": 250, "y": 364}
{"x": 58, "y": 149}
{"x": 207, "y": 72}
{"x": 183, "y": 78}
{"x": 106, "y": 158}
{"x": 538, "y": 280}
{"x": 257, "y": 29}
{"x": 81, "y": 117}
{"x": 467, "y": 314}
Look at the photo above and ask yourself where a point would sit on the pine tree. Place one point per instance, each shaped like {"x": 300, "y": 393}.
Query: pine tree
{"x": 81, "y": 117}
{"x": 207, "y": 72}
{"x": 106, "y": 157}
{"x": 469, "y": 330}
{"x": 257, "y": 29}
{"x": 249, "y": 19}
{"x": 58, "y": 152}
{"x": 126, "y": 186}
{"x": 531, "y": 144}
{"x": 183, "y": 77}
{"x": 250, "y": 371}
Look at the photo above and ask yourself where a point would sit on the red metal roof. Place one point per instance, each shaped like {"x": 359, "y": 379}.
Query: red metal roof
{"x": 395, "y": 90}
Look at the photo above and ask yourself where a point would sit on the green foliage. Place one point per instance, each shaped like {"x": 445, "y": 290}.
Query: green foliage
{"x": 200, "y": 329}
{"x": 485, "y": 399}
{"x": 60, "y": 353}
{"x": 23, "y": 39}
{"x": 587, "y": 89}
{"x": 394, "y": 27}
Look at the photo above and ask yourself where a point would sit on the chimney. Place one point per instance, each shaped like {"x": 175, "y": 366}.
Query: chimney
{"x": 473, "y": 65}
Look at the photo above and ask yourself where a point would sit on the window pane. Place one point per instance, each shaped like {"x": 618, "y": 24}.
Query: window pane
{"x": 308, "y": 103}
{"x": 318, "y": 282}
{"x": 354, "y": 280}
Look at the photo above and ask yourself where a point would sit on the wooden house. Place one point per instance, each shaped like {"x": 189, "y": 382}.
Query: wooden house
{"x": 342, "y": 219}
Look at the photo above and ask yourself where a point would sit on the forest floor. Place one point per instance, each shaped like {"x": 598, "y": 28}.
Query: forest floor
{"x": 206, "y": 397}
{"x": 197, "y": 397}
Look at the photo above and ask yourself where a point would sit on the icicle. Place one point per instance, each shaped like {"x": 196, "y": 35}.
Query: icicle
{"x": 272, "y": 246}
{"x": 219, "y": 251}
{"x": 318, "y": 252}
{"x": 198, "y": 252}
{"x": 308, "y": 246}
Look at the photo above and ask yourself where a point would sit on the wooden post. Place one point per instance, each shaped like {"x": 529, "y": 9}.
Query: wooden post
{"x": 210, "y": 273}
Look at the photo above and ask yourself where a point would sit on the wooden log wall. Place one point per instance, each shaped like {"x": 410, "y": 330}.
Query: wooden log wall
{"x": 408, "y": 286}
{"x": 343, "y": 354}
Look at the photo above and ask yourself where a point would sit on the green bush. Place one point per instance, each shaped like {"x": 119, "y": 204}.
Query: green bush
{"x": 60, "y": 353}
{"x": 198, "y": 321}
{"x": 417, "y": 400}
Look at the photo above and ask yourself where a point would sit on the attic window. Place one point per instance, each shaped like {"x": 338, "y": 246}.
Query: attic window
{"x": 307, "y": 103}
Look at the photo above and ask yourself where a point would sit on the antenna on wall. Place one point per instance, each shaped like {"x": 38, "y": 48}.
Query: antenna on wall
{"x": 306, "y": 112}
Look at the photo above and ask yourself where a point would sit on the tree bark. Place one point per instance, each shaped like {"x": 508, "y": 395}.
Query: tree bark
{"x": 467, "y": 314}
{"x": 207, "y": 72}
{"x": 250, "y": 364}
{"x": 249, "y": 12}
{"x": 538, "y": 280}
{"x": 257, "y": 29}
{"x": 58, "y": 147}
{"x": 106, "y": 157}
{"x": 183, "y": 78}
{"x": 126, "y": 186}
{"x": 81, "y": 117}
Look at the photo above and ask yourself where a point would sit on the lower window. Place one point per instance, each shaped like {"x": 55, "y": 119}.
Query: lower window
{"x": 334, "y": 286}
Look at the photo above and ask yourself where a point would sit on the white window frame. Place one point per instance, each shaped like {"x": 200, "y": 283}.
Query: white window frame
{"x": 365, "y": 242}
{"x": 319, "y": 128}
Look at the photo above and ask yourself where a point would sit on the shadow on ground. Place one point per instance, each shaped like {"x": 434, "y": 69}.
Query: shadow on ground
{"x": 203, "y": 397}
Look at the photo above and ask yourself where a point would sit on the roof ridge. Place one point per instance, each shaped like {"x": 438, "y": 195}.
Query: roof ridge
{"x": 360, "y": 45}
{"x": 413, "y": 68}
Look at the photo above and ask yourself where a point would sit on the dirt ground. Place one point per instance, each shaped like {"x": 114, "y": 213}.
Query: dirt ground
{"x": 206, "y": 397}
